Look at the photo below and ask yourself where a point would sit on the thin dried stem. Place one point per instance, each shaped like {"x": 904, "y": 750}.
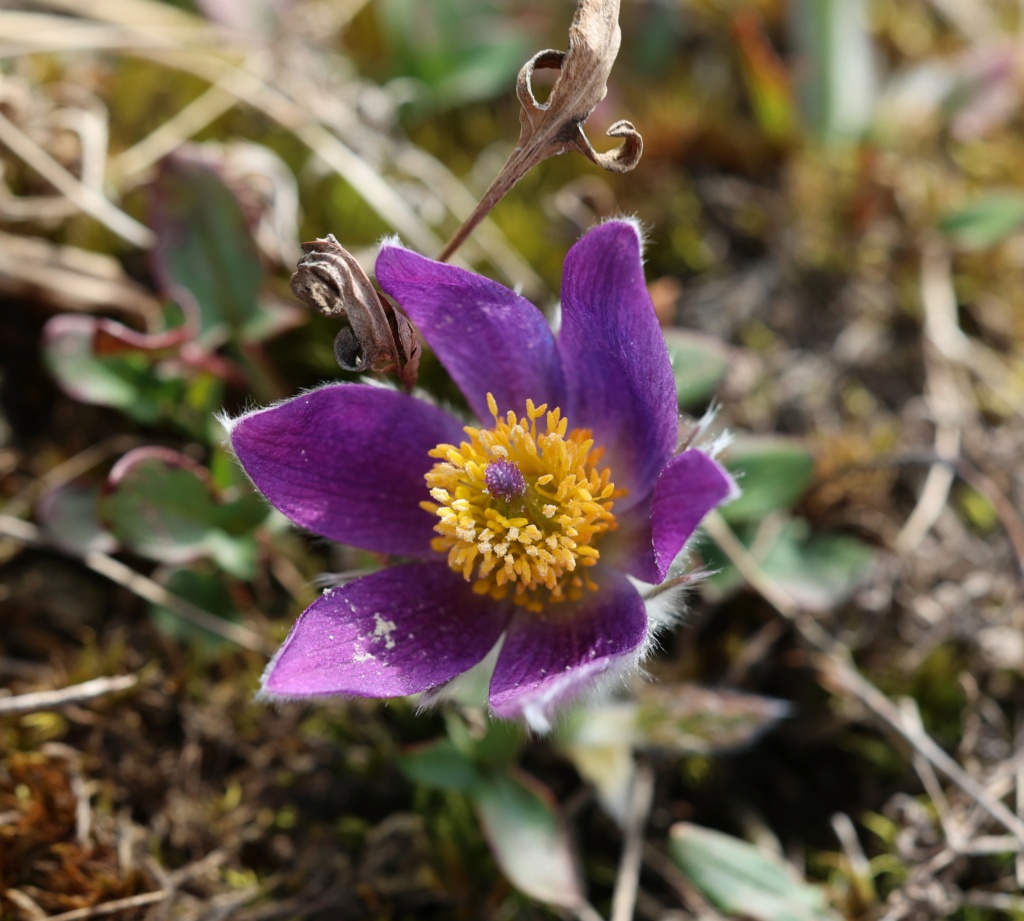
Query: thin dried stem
{"x": 183, "y": 125}
{"x": 140, "y": 585}
{"x": 676, "y": 880}
{"x": 87, "y": 199}
{"x": 551, "y": 128}
{"x": 112, "y": 907}
{"x": 250, "y": 88}
{"x": 188, "y": 44}
{"x": 943, "y": 336}
{"x": 76, "y": 694}
{"x": 627, "y": 881}
{"x": 70, "y": 469}
{"x": 840, "y": 676}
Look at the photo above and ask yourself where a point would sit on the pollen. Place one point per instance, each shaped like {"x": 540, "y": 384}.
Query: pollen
{"x": 522, "y": 507}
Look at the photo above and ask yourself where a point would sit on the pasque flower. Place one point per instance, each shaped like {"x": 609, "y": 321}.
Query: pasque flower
{"x": 535, "y": 525}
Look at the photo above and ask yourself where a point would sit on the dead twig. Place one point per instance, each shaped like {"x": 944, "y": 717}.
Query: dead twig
{"x": 842, "y": 677}
{"x": 112, "y": 907}
{"x": 627, "y": 881}
{"x": 26, "y": 903}
{"x": 250, "y": 88}
{"x": 1007, "y": 513}
{"x": 945, "y": 398}
{"x": 85, "y": 198}
{"x": 75, "y": 694}
{"x": 141, "y": 585}
{"x": 70, "y": 469}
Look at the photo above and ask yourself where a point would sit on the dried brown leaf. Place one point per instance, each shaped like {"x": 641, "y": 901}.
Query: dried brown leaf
{"x": 408, "y": 345}
{"x": 553, "y": 127}
{"x": 377, "y": 338}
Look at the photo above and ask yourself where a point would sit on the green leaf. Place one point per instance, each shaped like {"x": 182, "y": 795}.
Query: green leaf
{"x": 678, "y": 718}
{"x": 689, "y": 719}
{"x": 127, "y": 380}
{"x": 699, "y": 363}
{"x": 460, "y": 51}
{"x": 69, "y": 516}
{"x": 819, "y": 570}
{"x": 529, "y": 840}
{"x": 741, "y": 879}
{"x": 838, "y": 77}
{"x": 986, "y": 221}
{"x": 500, "y": 746}
{"x": 205, "y": 589}
{"x": 439, "y": 765}
{"x": 204, "y": 246}
{"x": 161, "y": 505}
{"x": 772, "y": 473}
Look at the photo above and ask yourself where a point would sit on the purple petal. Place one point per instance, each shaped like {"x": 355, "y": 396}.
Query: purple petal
{"x": 691, "y": 486}
{"x": 551, "y": 657}
{"x": 347, "y": 461}
{"x": 489, "y": 338}
{"x": 399, "y": 631}
{"x": 615, "y": 359}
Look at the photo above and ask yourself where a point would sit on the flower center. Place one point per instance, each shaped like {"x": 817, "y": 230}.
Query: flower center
{"x": 521, "y": 507}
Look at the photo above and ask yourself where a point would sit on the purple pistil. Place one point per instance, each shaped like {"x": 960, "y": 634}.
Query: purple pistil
{"x": 505, "y": 480}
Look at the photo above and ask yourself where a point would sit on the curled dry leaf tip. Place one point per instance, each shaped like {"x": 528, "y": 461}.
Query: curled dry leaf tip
{"x": 377, "y": 338}
{"x": 553, "y": 127}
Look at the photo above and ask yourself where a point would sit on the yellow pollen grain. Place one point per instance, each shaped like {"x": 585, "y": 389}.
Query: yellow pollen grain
{"x": 537, "y": 547}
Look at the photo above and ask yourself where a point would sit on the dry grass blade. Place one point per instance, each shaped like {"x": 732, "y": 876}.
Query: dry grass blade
{"x": 87, "y": 199}
{"x": 112, "y": 907}
{"x": 945, "y": 397}
{"x": 627, "y": 882}
{"x": 129, "y": 27}
{"x": 251, "y": 89}
{"x": 840, "y": 676}
{"x": 186, "y": 43}
{"x": 150, "y": 15}
{"x": 33, "y": 33}
{"x": 185, "y": 124}
{"x": 67, "y": 278}
{"x": 143, "y": 586}
{"x": 76, "y": 694}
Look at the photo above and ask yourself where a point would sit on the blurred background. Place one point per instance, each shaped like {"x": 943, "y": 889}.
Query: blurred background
{"x": 833, "y": 194}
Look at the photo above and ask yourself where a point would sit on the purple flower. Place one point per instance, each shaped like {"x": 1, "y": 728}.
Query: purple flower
{"x": 525, "y": 527}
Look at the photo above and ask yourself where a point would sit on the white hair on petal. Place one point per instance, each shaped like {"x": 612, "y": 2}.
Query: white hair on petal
{"x": 226, "y": 422}
{"x": 230, "y": 422}
{"x": 701, "y": 436}
{"x": 390, "y": 240}
{"x": 633, "y": 222}
{"x": 542, "y": 711}
{"x": 665, "y": 610}
{"x": 265, "y": 696}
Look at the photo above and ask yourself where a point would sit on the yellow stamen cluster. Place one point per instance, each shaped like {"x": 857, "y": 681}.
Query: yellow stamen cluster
{"x": 537, "y": 537}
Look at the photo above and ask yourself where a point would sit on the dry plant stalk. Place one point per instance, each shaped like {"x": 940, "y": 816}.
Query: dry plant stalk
{"x": 551, "y": 128}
